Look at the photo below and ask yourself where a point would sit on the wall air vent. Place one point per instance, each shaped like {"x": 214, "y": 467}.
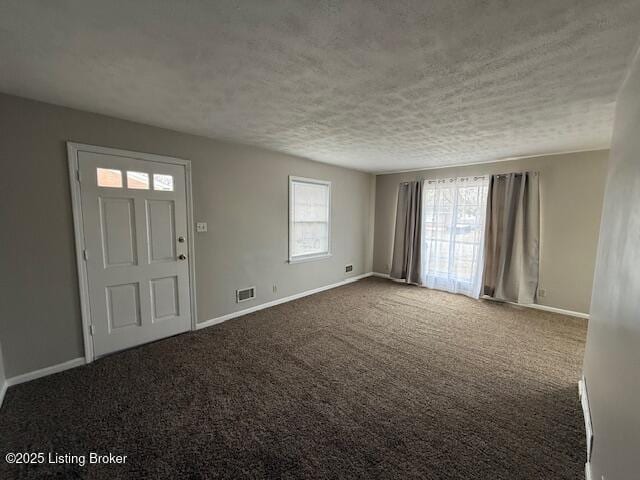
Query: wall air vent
{"x": 244, "y": 294}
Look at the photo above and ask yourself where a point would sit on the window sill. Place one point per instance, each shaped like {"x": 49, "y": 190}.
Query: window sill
{"x": 309, "y": 258}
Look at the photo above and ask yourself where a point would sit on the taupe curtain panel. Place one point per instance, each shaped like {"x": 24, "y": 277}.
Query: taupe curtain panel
{"x": 512, "y": 237}
{"x": 406, "y": 263}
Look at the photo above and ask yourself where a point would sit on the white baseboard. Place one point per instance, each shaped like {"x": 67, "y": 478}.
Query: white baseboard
{"x": 3, "y": 390}
{"x": 586, "y": 413}
{"x": 546, "y": 308}
{"x": 388, "y": 277}
{"x": 43, "y": 372}
{"x": 587, "y": 471}
{"x": 262, "y": 306}
{"x": 381, "y": 275}
{"x": 535, "y": 306}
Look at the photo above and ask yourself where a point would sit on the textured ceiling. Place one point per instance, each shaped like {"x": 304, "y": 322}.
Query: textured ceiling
{"x": 375, "y": 85}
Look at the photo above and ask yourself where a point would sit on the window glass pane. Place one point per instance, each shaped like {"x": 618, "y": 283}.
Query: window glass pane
{"x": 310, "y": 218}
{"x": 468, "y": 214}
{"x": 138, "y": 180}
{"x": 163, "y": 182}
{"x": 468, "y": 196}
{"x": 310, "y": 202}
{"x": 464, "y": 262}
{"x": 310, "y": 238}
{"x": 108, "y": 177}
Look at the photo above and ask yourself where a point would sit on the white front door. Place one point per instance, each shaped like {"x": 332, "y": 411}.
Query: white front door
{"x": 134, "y": 216}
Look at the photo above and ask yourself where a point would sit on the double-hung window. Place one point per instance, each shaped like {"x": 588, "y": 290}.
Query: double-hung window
{"x": 309, "y": 219}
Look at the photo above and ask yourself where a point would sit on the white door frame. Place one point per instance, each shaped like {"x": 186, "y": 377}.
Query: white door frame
{"x": 76, "y": 201}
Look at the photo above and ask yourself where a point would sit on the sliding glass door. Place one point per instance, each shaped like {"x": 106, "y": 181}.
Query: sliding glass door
{"x": 453, "y": 234}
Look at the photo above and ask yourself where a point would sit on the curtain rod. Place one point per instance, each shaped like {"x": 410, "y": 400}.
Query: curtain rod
{"x": 453, "y": 179}
{"x": 476, "y": 177}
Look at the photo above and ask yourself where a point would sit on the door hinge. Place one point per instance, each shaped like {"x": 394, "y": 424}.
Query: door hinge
{"x": 92, "y": 329}
{"x": 85, "y": 254}
{"x": 78, "y": 175}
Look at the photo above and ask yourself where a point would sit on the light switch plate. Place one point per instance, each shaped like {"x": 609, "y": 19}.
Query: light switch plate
{"x": 201, "y": 227}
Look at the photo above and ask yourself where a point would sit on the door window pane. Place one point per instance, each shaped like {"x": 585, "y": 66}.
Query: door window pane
{"x": 138, "y": 180}
{"x": 108, "y": 177}
{"x": 163, "y": 182}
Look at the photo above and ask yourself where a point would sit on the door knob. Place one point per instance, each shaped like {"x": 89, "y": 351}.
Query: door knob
{"x": 182, "y": 256}
{"x": 181, "y": 239}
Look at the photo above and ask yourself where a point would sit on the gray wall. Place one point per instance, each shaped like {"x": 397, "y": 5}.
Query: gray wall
{"x": 240, "y": 191}
{"x": 612, "y": 357}
{"x": 571, "y": 191}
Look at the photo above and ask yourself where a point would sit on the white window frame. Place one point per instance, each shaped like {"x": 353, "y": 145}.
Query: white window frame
{"x": 312, "y": 256}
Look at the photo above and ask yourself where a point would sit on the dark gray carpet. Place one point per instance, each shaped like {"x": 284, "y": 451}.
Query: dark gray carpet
{"x": 370, "y": 380}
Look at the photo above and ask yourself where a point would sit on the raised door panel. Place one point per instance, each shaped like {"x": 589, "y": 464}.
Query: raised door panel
{"x": 117, "y": 223}
{"x": 161, "y": 230}
{"x": 164, "y": 298}
{"x": 123, "y": 306}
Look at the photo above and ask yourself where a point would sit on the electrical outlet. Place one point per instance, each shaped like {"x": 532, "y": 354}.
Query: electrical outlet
{"x": 275, "y": 289}
{"x": 201, "y": 227}
{"x": 348, "y": 268}
{"x": 541, "y": 292}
